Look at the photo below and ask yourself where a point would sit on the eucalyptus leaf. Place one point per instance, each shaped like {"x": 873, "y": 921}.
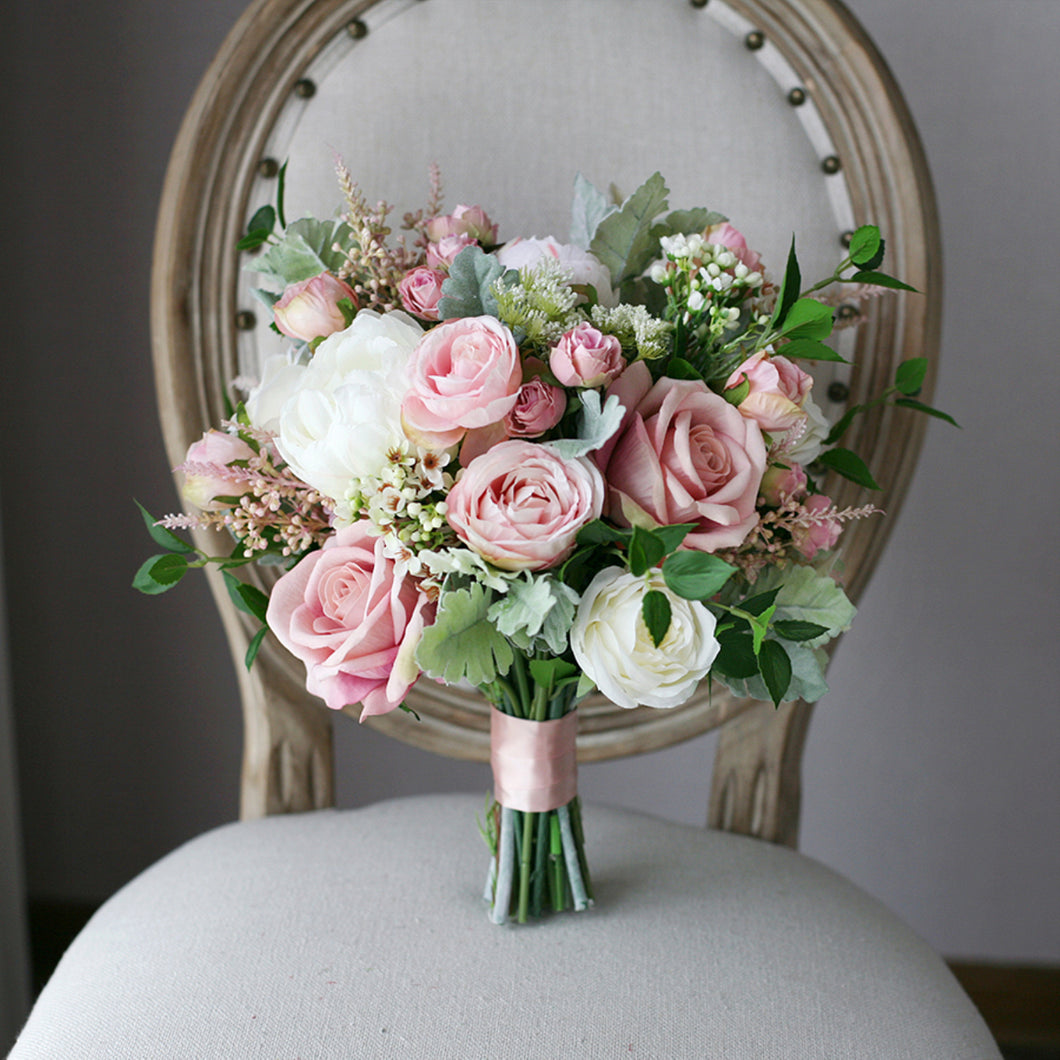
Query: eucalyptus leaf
{"x": 623, "y": 241}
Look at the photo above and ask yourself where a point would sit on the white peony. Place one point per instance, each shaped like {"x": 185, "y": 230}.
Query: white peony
{"x": 584, "y": 268}
{"x": 280, "y": 379}
{"x": 613, "y": 646}
{"x": 342, "y": 415}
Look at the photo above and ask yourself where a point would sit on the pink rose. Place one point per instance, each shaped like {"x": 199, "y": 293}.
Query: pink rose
{"x": 310, "y": 309}
{"x": 521, "y": 505}
{"x": 463, "y": 221}
{"x": 585, "y": 356}
{"x": 822, "y": 533}
{"x": 464, "y": 374}
{"x": 726, "y": 235}
{"x": 421, "y": 291}
{"x": 206, "y": 472}
{"x": 538, "y": 407}
{"x": 682, "y": 455}
{"x": 354, "y": 620}
{"x": 440, "y": 255}
{"x": 778, "y": 390}
{"x": 780, "y": 483}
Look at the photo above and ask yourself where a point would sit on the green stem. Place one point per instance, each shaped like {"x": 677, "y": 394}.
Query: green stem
{"x": 524, "y": 865}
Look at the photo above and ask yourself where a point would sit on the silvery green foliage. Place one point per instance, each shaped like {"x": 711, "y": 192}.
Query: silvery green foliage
{"x": 536, "y": 613}
{"x": 595, "y": 426}
{"x": 306, "y": 249}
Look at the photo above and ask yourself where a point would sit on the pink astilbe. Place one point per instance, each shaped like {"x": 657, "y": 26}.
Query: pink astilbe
{"x": 276, "y": 512}
{"x": 372, "y": 268}
{"x": 773, "y": 541}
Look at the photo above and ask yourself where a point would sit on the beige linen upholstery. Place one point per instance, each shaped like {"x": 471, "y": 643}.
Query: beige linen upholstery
{"x": 361, "y": 934}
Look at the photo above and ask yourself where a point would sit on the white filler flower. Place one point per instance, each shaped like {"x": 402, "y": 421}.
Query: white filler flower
{"x": 613, "y": 646}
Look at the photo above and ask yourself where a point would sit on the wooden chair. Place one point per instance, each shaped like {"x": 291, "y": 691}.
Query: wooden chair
{"x": 361, "y": 933}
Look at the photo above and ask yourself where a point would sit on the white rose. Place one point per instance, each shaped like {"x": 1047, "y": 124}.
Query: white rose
{"x": 806, "y": 450}
{"x": 585, "y": 268}
{"x": 344, "y": 412}
{"x": 613, "y": 646}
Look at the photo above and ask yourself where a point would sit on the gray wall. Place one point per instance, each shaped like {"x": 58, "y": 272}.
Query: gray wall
{"x": 931, "y": 774}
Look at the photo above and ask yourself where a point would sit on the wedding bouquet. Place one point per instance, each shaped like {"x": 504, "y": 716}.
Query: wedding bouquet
{"x": 538, "y": 469}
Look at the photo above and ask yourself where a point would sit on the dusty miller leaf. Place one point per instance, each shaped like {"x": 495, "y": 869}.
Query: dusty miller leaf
{"x": 623, "y": 240}
{"x": 589, "y": 208}
{"x": 595, "y": 426}
{"x": 462, "y": 644}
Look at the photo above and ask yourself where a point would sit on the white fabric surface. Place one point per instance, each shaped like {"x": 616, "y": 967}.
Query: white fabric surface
{"x": 363, "y": 934}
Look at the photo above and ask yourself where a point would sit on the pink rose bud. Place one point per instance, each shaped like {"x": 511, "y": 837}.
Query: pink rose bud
{"x": 586, "y": 357}
{"x": 539, "y": 406}
{"x": 440, "y": 255}
{"x": 821, "y": 534}
{"x": 207, "y": 475}
{"x": 778, "y": 390}
{"x": 310, "y": 310}
{"x": 463, "y": 221}
{"x": 464, "y": 374}
{"x": 726, "y": 235}
{"x": 782, "y": 483}
{"x": 520, "y": 505}
{"x": 421, "y": 291}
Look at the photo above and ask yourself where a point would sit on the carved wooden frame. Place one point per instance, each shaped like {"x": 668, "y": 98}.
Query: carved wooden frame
{"x": 287, "y": 758}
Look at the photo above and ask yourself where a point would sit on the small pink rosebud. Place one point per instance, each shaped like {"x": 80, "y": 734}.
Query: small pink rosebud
{"x": 310, "y": 310}
{"x": 819, "y": 536}
{"x": 205, "y": 470}
{"x": 471, "y": 221}
{"x": 539, "y": 406}
{"x": 421, "y": 291}
{"x": 726, "y": 235}
{"x": 778, "y": 389}
{"x": 440, "y": 255}
{"x": 781, "y": 483}
{"x": 586, "y": 357}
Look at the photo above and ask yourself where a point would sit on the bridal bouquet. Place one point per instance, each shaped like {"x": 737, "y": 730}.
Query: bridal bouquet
{"x": 539, "y": 469}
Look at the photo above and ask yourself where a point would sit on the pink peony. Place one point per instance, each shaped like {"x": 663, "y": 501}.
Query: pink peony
{"x": 682, "y": 455}
{"x": 821, "y": 535}
{"x": 585, "y": 356}
{"x": 521, "y": 505}
{"x": 421, "y": 291}
{"x": 464, "y": 374}
{"x": 726, "y": 235}
{"x": 354, "y": 619}
{"x": 538, "y": 407}
{"x": 310, "y": 310}
{"x": 469, "y": 221}
{"x": 778, "y": 390}
{"x": 206, "y": 473}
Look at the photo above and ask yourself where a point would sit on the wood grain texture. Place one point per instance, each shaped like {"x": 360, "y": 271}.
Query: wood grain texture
{"x": 202, "y": 212}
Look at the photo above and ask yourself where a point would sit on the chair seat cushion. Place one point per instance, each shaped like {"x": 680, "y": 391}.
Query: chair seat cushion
{"x": 363, "y": 933}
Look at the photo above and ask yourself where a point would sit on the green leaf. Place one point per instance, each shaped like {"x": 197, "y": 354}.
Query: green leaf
{"x": 880, "y": 279}
{"x": 736, "y": 657}
{"x": 589, "y": 208}
{"x": 263, "y": 219}
{"x": 850, "y": 466}
{"x": 466, "y": 291}
{"x": 775, "y": 667}
{"x": 866, "y": 247}
{"x": 160, "y": 535}
{"x": 736, "y": 395}
{"x": 645, "y": 550}
{"x": 679, "y": 368}
{"x": 803, "y": 349}
{"x": 808, "y": 319}
{"x": 803, "y": 594}
{"x": 537, "y": 611}
{"x": 760, "y": 602}
{"x": 672, "y": 536}
{"x": 789, "y": 289}
{"x": 254, "y": 647}
{"x": 596, "y": 424}
{"x": 550, "y": 672}
{"x": 909, "y": 377}
{"x": 842, "y": 424}
{"x": 160, "y": 573}
{"x": 797, "y": 630}
{"x": 248, "y": 598}
{"x": 462, "y": 644}
{"x": 685, "y": 222}
{"x": 305, "y": 250}
{"x": 656, "y": 611}
{"x": 254, "y": 239}
{"x": 807, "y": 681}
{"x": 623, "y": 239}
{"x": 599, "y": 532}
{"x": 760, "y": 627}
{"x": 696, "y": 575}
{"x": 909, "y": 403}
{"x": 281, "y": 187}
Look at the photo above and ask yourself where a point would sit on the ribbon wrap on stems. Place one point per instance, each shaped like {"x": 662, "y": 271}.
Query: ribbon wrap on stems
{"x": 535, "y": 763}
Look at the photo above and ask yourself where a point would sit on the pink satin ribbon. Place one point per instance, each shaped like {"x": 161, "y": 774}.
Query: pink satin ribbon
{"x": 535, "y": 763}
